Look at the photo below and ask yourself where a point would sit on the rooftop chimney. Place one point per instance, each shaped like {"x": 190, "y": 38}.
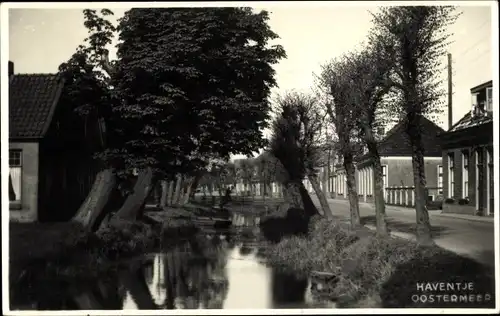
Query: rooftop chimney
{"x": 11, "y": 68}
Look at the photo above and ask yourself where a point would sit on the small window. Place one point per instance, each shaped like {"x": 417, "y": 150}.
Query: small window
{"x": 384, "y": 175}
{"x": 15, "y": 176}
{"x": 465, "y": 174}
{"x": 489, "y": 99}
{"x": 451, "y": 161}
{"x": 440, "y": 179}
{"x": 451, "y": 175}
{"x": 474, "y": 99}
{"x": 15, "y": 157}
{"x": 465, "y": 155}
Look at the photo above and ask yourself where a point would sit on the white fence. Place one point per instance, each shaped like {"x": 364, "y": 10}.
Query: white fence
{"x": 405, "y": 196}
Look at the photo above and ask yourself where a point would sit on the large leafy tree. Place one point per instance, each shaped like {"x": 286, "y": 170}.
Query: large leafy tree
{"x": 197, "y": 83}
{"x": 189, "y": 84}
{"x": 416, "y": 39}
{"x": 87, "y": 90}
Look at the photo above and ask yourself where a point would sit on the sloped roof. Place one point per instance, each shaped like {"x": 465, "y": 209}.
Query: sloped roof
{"x": 482, "y": 86}
{"x": 32, "y": 101}
{"x": 468, "y": 121}
{"x": 397, "y": 143}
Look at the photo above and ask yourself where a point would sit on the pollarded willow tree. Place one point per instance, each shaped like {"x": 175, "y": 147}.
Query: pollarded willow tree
{"x": 296, "y": 133}
{"x": 416, "y": 39}
{"x": 368, "y": 73}
{"x": 189, "y": 84}
{"x": 335, "y": 84}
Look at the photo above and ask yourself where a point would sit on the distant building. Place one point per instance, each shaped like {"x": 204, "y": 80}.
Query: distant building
{"x": 50, "y": 163}
{"x": 468, "y": 157}
{"x": 395, "y": 152}
{"x": 255, "y": 179}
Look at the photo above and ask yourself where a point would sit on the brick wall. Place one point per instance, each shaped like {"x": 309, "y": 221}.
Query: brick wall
{"x": 458, "y": 176}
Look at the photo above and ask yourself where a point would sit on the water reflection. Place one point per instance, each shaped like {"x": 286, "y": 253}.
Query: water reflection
{"x": 245, "y": 220}
{"x": 202, "y": 273}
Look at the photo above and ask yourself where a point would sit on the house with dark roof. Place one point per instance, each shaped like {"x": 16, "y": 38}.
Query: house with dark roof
{"x": 468, "y": 158}
{"x": 396, "y": 159}
{"x": 50, "y": 162}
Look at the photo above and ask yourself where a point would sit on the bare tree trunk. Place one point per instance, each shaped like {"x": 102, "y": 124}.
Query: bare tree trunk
{"x": 135, "y": 201}
{"x": 87, "y": 301}
{"x": 321, "y": 195}
{"x": 423, "y": 224}
{"x": 157, "y": 193}
{"x": 292, "y": 194}
{"x": 177, "y": 192}
{"x": 170, "y": 194}
{"x": 187, "y": 193}
{"x": 164, "y": 193}
{"x": 324, "y": 181}
{"x": 352, "y": 192}
{"x": 96, "y": 200}
{"x": 134, "y": 282}
{"x": 298, "y": 197}
{"x": 195, "y": 184}
{"x": 378, "y": 192}
{"x": 378, "y": 182}
{"x": 284, "y": 193}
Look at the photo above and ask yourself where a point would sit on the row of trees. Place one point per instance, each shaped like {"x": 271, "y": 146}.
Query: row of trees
{"x": 264, "y": 169}
{"x": 190, "y": 86}
{"x": 394, "y": 76}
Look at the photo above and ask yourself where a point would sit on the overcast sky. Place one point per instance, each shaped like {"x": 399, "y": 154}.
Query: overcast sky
{"x": 41, "y": 39}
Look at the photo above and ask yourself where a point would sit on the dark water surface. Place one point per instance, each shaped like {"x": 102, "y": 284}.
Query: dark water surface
{"x": 215, "y": 270}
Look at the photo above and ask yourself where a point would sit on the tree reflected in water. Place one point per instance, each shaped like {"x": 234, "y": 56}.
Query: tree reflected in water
{"x": 188, "y": 275}
{"x": 185, "y": 274}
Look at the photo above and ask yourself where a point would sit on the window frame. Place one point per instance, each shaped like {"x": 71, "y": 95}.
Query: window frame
{"x": 16, "y": 204}
{"x": 451, "y": 175}
{"x": 465, "y": 173}
{"x": 489, "y": 100}
{"x": 440, "y": 179}
{"x": 385, "y": 179}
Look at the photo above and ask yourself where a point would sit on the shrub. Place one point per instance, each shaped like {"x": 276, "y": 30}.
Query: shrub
{"x": 449, "y": 201}
{"x": 434, "y": 205}
{"x": 283, "y": 223}
{"x": 463, "y": 201}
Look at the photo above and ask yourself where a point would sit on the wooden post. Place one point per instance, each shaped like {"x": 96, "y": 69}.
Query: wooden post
{"x": 365, "y": 186}
{"x": 450, "y": 93}
{"x": 407, "y": 196}
{"x": 400, "y": 191}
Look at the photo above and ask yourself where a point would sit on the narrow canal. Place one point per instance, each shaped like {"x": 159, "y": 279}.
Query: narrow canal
{"x": 216, "y": 270}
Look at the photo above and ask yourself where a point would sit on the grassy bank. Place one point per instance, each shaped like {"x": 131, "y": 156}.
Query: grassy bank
{"x": 66, "y": 250}
{"x": 376, "y": 271}
{"x": 62, "y": 253}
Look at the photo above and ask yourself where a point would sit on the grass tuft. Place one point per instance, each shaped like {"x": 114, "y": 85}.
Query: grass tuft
{"x": 374, "y": 270}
